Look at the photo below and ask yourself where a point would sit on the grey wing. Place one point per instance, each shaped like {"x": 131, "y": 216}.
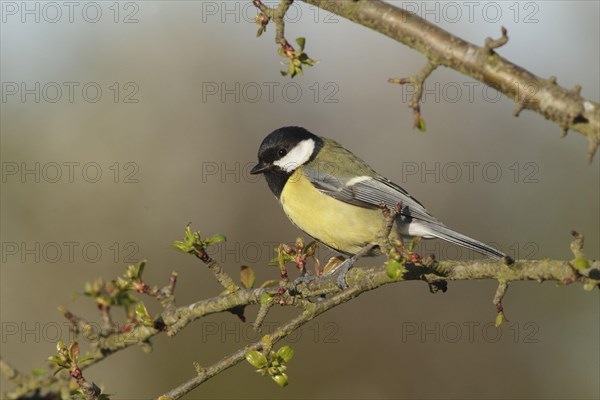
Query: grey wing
{"x": 368, "y": 192}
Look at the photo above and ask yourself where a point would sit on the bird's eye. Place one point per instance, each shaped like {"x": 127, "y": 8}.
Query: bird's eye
{"x": 282, "y": 152}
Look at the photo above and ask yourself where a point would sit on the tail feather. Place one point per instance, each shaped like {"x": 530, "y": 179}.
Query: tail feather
{"x": 444, "y": 233}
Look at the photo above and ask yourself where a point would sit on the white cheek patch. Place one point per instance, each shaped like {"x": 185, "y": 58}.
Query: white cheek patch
{"x": 297, "y": 156}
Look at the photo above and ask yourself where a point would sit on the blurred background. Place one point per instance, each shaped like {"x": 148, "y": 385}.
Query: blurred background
{"x": 123, "y": 121}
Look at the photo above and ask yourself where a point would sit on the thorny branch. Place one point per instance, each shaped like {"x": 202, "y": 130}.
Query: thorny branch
{"x": 418, "y": 81}
{"x": 360, "y": 280}
{"x": 566, "y": 108}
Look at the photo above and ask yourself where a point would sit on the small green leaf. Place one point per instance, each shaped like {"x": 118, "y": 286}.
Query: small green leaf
{"x": 38, "y": 371}
{"x": 134, "y": 272}
{"x": 189, "y": 242}
{"x": 181, "y": 246}
{"x": 58, "y": 361}
{"x": 413, "y": 242}
{"x": 122, "y": 284}
{"x": 215, "y": 239}
{"x": 286, "y": 353}
{"x": 85, "y": 358}
{"x": 301, "y": 42}
{"x": 499, "y": 319}
{"x": 422, "y": 126}
{"x": 281, "y": 379}
{"x": 265, "y": 298}
{"x": 256, "y": 359}
{"x": 580, "y": 263}
{"x": 261, "y": 30}
{"x": 142, "y": 314}
{"x": 61, "y": 367}
{"x": 248, "y": 277}
{"x": 394, "y": 269}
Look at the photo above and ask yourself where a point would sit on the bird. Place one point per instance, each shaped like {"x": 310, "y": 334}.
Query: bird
{"x": 337, "y": 198}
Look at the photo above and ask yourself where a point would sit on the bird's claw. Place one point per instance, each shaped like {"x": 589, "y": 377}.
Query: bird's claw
{"x": 339, "y": 272}
{"x": 340, "y": 281}
{"x": 306, "y": 279}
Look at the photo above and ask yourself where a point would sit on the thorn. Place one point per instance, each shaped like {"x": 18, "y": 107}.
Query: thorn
{"x": 518, "y": 108}
{"x": 416, "y": 116}
{"x": 399, "y": 81}
{"x": 172, "y": 281}
{"x": 418, "y": 81}
{"x": 592, "y": 148}
{"x": 577, "y": 244}
{"x": 500, "y": 292}
{"x": 199, "y": 369}
{"x": 491, "y": 44}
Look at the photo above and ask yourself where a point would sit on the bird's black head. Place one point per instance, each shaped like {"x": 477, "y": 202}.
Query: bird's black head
{"x": 284, "y": 150}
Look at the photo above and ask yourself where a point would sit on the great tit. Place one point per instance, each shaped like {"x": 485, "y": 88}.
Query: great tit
{"x": 336, "y": 197}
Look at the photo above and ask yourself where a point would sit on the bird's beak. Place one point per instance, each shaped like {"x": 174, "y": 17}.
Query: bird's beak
{"x": 259, "y": 168}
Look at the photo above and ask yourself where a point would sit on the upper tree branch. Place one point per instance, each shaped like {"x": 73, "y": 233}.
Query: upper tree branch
{"x": 567, "y": 108}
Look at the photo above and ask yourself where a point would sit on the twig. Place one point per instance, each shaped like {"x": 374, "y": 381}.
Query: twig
{"x": 418, "y": 81}
{"x": 108, "y": 325}
{"x": 220, "y": 274}
{"x": 89, "y": 390}
{"x": 262, "y": 314}
{"x": 360, "y": 280}
{"x": 577, "y": 244}
{"x": 500, "y": 293}
{"x": 277, "y": 15}
{"x": 78, "y": 323}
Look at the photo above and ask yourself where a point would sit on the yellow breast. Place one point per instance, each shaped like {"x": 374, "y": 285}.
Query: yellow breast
{"x": 339, "y": 225}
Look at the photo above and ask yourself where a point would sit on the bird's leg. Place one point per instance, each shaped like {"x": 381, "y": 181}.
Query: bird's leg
{"x": 341, "y": 270}
{"x": 304, "y": 278}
